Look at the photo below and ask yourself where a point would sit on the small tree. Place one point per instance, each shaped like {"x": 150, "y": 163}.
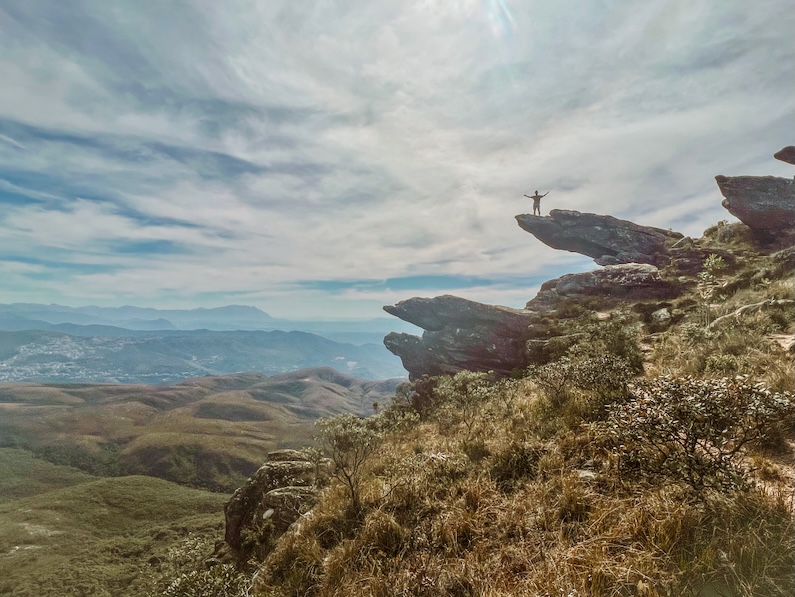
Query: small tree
{"x": 349, "y": 441}
{"x": 709, "y": 285}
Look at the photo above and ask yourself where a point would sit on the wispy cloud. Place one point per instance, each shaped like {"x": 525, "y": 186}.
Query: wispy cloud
{"x": 319, "y": 158}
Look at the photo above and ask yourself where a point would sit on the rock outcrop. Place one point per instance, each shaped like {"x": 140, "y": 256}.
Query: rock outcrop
{"x": 462, "y": 334}
{"x": 608, "y": 240}
{"x": 270, "y": 501}
{"x": 459, "y": 334}
{"x": 626, "y": 282}
{"x": 766, "y": 204}
{"x": 786, "y": 154}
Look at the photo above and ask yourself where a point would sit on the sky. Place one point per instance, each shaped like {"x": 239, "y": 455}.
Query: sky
{"x": 322, "y": 158}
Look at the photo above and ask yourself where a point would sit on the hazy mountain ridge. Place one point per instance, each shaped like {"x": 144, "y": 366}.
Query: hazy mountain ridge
{"x": 34, "y": 316}
{"x": 52, "y": 356}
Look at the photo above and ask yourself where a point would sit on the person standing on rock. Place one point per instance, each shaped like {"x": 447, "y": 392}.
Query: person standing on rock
{"x": 537, "y": 201}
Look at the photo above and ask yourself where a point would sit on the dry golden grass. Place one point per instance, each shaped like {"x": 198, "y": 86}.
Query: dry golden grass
{"x": 539, "y": 514}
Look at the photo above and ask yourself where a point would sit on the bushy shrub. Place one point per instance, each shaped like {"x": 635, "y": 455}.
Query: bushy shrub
{"x": 603, "y": 379}
{"x": 462, "y": 396}
{"x": 721, "y": 363}
{"x": 694, "y": 430}
{"x": 184, "y": 574}
{"x": 616, "y": 337}
{"x": 222, "y": 580}
{"x": 417, "y": 396}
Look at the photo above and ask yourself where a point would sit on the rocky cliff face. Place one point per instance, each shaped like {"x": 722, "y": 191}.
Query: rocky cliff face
{"x": 630, "y": 281}
{"x": 608, "y": 240}
{"x": 465, "y": 335}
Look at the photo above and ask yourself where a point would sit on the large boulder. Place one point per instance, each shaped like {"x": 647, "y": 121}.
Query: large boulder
{"x": 766, "y": 204}
{"x": 459, "y": 335}
{"x": 608, "y": 240}
{"x": 270, "y": 501}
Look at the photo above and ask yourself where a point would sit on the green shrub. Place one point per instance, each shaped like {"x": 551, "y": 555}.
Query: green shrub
{"x": 601, "y": 381}
{"x": 721, "y": 363}
{"x": 617, "y": 337}
{"x": 417, "y": 396}
{"x": 461, "y": 397}
{"x": 222, "y": 580}
{"x": 694, "y": 430}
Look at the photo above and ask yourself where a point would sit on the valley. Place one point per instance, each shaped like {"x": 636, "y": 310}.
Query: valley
{"x": 209, "y": 432}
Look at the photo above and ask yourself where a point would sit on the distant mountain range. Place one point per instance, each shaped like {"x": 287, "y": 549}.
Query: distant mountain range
{"x": 55, "y": 343}
{"x": 167, "y": 357}
{"x": 34, "y": 316}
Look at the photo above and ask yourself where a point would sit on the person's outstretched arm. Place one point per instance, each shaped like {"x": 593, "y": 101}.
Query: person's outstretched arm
{"x": 545, "y": 194}
{"x": 528, "y": 196}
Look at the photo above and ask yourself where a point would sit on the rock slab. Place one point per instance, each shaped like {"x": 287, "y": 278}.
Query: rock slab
{"x": 608, "y": 240}
{"x": 626, "y": 282}
{"x": 787, "y": 154}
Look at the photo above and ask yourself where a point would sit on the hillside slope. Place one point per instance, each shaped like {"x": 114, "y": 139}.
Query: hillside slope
{"x": 637, "y": 438}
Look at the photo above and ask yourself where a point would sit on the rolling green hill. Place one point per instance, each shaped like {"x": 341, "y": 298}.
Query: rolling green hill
{"x": 63, "y": 532}
{"x": 209, "y": 432}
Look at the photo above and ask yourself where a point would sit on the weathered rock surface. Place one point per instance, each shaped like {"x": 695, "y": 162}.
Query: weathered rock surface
{"x": 459, "y": 334}
{"x": 786, "y": 154}
{"x": 276, "y": 495}
{"x": 763, "y": 203}
{"x": 630, "y": 281}
{"x": 608, "y": 240}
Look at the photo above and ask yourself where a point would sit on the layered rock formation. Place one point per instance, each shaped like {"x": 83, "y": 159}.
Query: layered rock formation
{"x": 272, "y": 499}
{"x": 766, "y": 204}
{"x": 608, "y": 240}
{"x": 459, "y": 334}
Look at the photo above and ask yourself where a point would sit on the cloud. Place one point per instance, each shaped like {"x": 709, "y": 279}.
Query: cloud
{"x": 180, "y": 153}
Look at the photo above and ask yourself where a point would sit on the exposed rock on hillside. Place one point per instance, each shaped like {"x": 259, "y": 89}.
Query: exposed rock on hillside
{"x": 270, "y": 501}
{"x": 766, "y": 204}
{"x": 460, "y": 334}
{"x": 786, "y": 155}
{"x": 631, "y": 281}
{"x": 608, "y": 240}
